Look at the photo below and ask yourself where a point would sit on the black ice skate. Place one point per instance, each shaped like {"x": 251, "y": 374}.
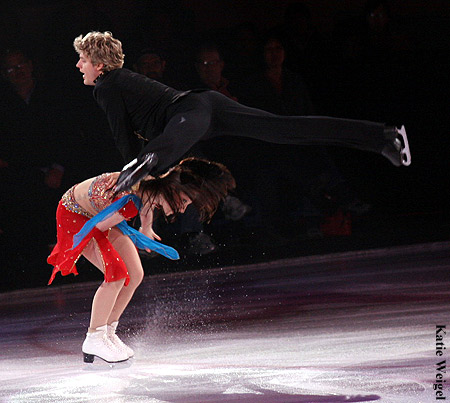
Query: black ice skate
{"x": 135, "y": 171}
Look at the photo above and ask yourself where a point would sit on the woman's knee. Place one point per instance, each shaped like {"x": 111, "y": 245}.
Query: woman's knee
{"x": 136, "y": 279}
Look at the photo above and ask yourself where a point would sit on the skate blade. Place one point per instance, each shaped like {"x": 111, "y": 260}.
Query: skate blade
{"x": 102, "y": 365}
{"x": 90, "y": 362}
{"x": 405, "y": 153}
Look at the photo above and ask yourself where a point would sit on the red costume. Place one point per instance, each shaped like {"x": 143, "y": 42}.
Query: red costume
{"x": 70, "y": 218}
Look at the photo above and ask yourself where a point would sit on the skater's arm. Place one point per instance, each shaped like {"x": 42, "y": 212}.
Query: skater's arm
{"x": 146, "y": 228}
{"x": 110, "y": 222}
{"x": 125, "y": 213}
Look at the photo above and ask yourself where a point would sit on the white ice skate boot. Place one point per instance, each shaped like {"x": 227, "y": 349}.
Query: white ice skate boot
{"x": 97, "y": 344}
{"x": 111, "y": 332}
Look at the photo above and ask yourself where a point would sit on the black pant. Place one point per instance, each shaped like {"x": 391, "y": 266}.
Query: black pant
{"x": 205, "y": 115}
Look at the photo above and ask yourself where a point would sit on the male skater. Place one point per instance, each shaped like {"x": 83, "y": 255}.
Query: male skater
{"x": 170, "y": 122}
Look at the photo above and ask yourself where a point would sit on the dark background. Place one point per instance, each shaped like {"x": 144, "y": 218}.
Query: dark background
{"x": 413, "y": 91}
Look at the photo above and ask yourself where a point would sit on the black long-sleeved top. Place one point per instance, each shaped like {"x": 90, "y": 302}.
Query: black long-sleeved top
{"x": 133, "y": 103}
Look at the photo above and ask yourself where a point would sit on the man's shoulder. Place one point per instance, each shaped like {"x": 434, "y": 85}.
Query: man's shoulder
{"x": 116, "y": 76}
{"x": 125, "y": 79}
{"x": 111, "y": 82}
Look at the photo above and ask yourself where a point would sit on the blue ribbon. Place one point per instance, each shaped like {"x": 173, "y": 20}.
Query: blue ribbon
{"x": 140, "y": 240}
{"x": 144, "y": 242}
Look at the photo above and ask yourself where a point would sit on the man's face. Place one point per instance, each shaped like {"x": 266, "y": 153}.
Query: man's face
{"x": 209, "y": 67}
{"x": 90, "y": 71}
{"x": 151, "y": 65}
{"x": 17, "y": 69}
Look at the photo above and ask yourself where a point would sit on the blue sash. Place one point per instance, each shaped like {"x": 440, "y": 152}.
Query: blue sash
{"x": 140, "y": 240}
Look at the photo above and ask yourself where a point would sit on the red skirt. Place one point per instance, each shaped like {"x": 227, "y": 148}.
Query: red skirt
{"x": 64, "y": 258}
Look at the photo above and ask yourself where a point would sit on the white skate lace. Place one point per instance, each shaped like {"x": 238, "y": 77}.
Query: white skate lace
{"x": 115, "y": 340}
{"x": 109, "y": 343}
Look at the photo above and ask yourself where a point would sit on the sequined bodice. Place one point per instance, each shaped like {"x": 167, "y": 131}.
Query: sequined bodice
{"x": 69, "y": 202}
{"x": 100, "y": 193}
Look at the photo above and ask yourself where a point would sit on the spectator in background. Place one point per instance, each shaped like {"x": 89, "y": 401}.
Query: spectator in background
{"x": 278, "y": 90}
{"x": 209, "y": 66}
{"x": 168, "y": 27}
{"x": 275, "y": 88}
{"x": 31, "y": 99}
{"x": 32, "y": 166}
{"x": 378, "y": 40}
{"x": 152, "y": 63}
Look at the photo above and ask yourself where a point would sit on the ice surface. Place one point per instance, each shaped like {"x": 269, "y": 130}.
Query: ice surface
{"x": 351, "y": 327}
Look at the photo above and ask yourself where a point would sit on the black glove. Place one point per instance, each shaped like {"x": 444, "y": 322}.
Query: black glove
{"x": 135, "y": 171}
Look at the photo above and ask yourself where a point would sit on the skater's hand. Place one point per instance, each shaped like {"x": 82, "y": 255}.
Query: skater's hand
{"x": 148, "y": 232}
{"x": 112, "y": 179}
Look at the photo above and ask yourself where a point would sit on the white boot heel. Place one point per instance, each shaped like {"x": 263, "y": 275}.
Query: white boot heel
{"x": 111, "y": 332}
{"x": 97, "y": 344}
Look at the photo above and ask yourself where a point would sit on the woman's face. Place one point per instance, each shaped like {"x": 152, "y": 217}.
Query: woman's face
{"x": 165, "y": 206}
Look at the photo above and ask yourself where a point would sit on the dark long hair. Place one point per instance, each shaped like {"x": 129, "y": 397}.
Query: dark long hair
{"x": 206, "y": 183}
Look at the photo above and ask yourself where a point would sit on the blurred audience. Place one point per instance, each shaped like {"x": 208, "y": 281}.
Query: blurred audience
{"x": 278, "y": 90}
{"x": 32, "y": 165}
{"x": 152, "y": 63}
{"x": 372, "y": 72}
{"x": 171, "y": 29}
{"x": 209, "y": 66}
{"x": 377, "y": 38}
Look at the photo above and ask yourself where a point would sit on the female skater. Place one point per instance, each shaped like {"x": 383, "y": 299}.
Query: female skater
{"x": 91, "y": 222}
{"x": 170, "y": 122}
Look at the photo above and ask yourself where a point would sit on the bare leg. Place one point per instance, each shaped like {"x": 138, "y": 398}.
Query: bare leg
{"x": 106, "y": 295}
{"x": 103, "y": 303}
{"x": 112, "y": 298}
{"x": 127, "y": 250}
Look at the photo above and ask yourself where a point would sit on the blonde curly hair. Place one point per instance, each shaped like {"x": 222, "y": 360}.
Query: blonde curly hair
{"x": 101, "y": 47}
